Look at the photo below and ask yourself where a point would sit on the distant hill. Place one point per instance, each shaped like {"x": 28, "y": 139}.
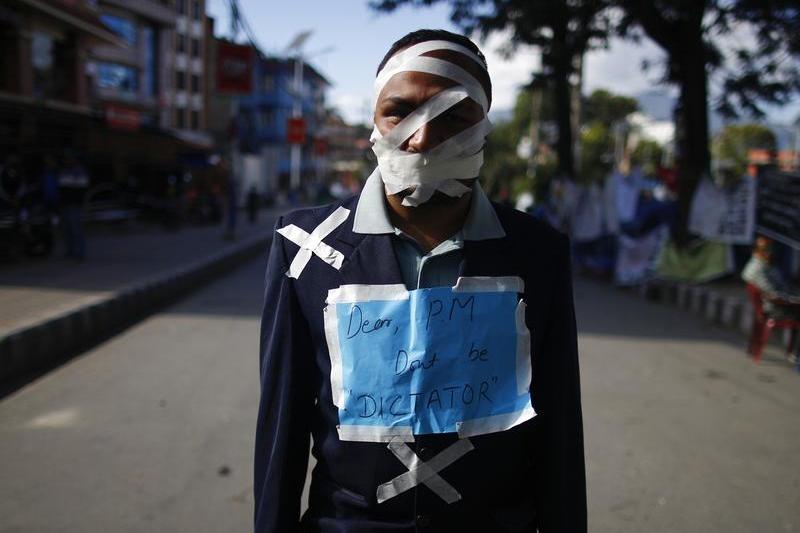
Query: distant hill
{"x": 656, "y": 103}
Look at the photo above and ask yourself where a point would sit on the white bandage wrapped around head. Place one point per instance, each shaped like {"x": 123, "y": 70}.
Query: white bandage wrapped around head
{"x": 460, "y": 156}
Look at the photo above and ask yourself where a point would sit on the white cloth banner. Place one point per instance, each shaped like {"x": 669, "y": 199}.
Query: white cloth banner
{"x": 724, "y": 214}
{"x": 587, "y": 217}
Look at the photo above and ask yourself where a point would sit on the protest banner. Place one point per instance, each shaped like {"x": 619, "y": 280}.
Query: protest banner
{"x": 439, "y": 360}
{"x": 778, "y": 208}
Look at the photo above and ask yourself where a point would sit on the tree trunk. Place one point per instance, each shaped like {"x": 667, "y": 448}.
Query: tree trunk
{"x": 562, "y": 68}
{"x": 693, "y": 154}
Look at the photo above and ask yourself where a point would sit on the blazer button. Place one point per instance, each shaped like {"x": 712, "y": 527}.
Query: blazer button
{"x": 423, "y": 520}
{"x": 424, "y": 453}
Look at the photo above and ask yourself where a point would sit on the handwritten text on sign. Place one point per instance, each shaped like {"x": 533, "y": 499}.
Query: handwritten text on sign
{"x": 431, "y": 361}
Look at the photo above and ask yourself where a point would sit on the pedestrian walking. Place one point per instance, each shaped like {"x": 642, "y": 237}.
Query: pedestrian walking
{"x": 422, "y": 334}
{"x": 252, "y": 204}
{"x": 73, "y": 183}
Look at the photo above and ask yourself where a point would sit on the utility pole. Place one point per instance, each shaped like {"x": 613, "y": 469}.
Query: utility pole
{"x": 297, "y": 112}
{"x": 296, "y": 45}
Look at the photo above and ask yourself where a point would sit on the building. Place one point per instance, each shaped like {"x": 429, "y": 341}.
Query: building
{"x": 252, "y": 100}
{"x": 131, "y": 82}
{"x": 189, "y": 97}
{"x": 45, "y": 86}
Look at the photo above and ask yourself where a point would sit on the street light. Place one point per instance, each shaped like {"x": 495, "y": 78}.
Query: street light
{"x": 296, "y": 45}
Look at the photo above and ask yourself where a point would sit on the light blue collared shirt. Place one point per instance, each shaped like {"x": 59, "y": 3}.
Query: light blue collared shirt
{"x": 440, "y": 266}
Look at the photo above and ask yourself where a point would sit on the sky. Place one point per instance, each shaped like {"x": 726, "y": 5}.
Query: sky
{"x": 349, "y": 40}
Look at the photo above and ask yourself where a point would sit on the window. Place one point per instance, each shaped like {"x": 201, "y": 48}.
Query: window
{"x": 195, "y": 83}
{"x": 268, "y": 83}
{"x": 42, "y": 58}
{"x": 122, "y": 78}
{"x": 181, "y": 42}
{"x": 180, "y": 80}
{"x": 195, "y": 120}
{"x": 195, "y": 47}
{"x": 151, "y": 63}
{"x": 181, "y": 4}
{"x": 122, "y": 27}
{"x": 196, "y": 9}
{"x": 180, "y": 118}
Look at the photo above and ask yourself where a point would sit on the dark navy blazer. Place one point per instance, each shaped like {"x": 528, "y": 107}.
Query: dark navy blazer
{"x": 529, "y": 478}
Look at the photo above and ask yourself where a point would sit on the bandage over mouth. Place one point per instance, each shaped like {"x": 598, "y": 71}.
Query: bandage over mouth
{"x": 457, "y": 158}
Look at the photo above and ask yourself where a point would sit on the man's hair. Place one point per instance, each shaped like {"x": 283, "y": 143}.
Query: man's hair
{"x": 421, "y": 36}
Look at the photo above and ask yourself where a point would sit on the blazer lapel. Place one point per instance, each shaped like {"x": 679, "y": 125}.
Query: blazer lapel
{"x": 372, "y": 262}
{"x": 490, "y": 257}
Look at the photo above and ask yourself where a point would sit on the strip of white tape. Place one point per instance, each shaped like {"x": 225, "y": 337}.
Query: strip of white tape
{"x": 495, "y": 423}
{"x": 489, "y": 284}
{"x": 331, "y": 324}
{"x": 418, "y": 50}
{"x": 417, "y": 118}
{"x": 524, "y": 370}
{"x": 366, "y": 293}
{"x": 375, "y": 433}
{"x": 424, "y": 472}
{"x": 312, "y": 243}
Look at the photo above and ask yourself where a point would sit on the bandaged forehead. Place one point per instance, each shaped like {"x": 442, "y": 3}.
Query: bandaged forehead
{"x": 412, "y": 60}
{"x": 457, "y": 158}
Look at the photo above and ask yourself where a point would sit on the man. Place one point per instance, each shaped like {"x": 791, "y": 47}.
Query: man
{"x": 73, "y": 183}
{"x": 405, "y": 455}
{"x": 781, "y": 299}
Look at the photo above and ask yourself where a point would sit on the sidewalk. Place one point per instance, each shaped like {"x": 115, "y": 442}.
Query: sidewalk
{"x": 51, "y": 307}
{"x": 721, "y": 303}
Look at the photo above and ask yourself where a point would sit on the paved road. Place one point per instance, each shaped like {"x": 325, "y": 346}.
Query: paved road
{"x": 152, "y": 431}
{"x": 683, "y": 432}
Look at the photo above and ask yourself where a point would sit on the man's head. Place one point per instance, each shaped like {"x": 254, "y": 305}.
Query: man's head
{"x": 763, "y": 248}
{"x": 421, "y": 36}
{"x": 435, "y": 85}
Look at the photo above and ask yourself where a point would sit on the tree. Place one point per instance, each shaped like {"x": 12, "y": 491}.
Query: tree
{"x": 735, "y": 141}
{"x": 562, "y": 29}
{"x": 748, "y": 45}
{"x": 601, "y": 110}
{"x": 607, "y": 108}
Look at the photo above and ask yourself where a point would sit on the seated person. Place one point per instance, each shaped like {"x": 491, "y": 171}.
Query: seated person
{"x": 781, "y": 300}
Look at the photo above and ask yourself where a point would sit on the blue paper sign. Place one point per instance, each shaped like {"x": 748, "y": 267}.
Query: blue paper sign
{"x": 438, "y": 361}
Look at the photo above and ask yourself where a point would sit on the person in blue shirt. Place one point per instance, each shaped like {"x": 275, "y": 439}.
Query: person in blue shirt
{"x": 422, "y": 221}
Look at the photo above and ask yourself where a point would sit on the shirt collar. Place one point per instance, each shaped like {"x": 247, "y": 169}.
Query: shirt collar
{"x": 372, "y": 215}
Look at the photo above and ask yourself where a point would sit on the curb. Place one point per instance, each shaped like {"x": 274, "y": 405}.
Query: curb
{"x": 42, "y": 346}
{"x": 727, "y": 311}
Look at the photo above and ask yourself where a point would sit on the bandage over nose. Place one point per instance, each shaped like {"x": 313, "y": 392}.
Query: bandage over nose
{"x": 456, "y": 158}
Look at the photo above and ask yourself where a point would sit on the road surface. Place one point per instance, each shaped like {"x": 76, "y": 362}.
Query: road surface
{"x": 153, "y": 430}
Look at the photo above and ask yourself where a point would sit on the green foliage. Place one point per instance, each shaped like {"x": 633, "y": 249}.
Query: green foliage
{"x": 597, "y": 152}
{"x": 749, "y": 47}
{"x": 607, "y": 108}
{"x": 501, "y": 166}
{"x": 731, "y": 145}
{"x": 649, "y": 155}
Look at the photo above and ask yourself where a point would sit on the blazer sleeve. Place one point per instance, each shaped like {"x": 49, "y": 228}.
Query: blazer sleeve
{"x": 561, "y": 475}
{"x": 287, "y": 400}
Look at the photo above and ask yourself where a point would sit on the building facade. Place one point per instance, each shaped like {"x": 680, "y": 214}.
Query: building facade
{"x": 262, "y": 121}
{"x": 189, "y": 97}
{"x": 133, "y": 82}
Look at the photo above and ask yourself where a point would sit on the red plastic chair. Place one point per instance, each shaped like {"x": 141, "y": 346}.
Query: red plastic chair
{"x": 763, "y": 325}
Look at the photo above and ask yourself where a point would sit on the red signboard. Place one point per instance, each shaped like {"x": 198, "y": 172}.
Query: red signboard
{"x": 234, "y": 68}
{"x": 123, "y": 118}
{"x": 295, "y": 131}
